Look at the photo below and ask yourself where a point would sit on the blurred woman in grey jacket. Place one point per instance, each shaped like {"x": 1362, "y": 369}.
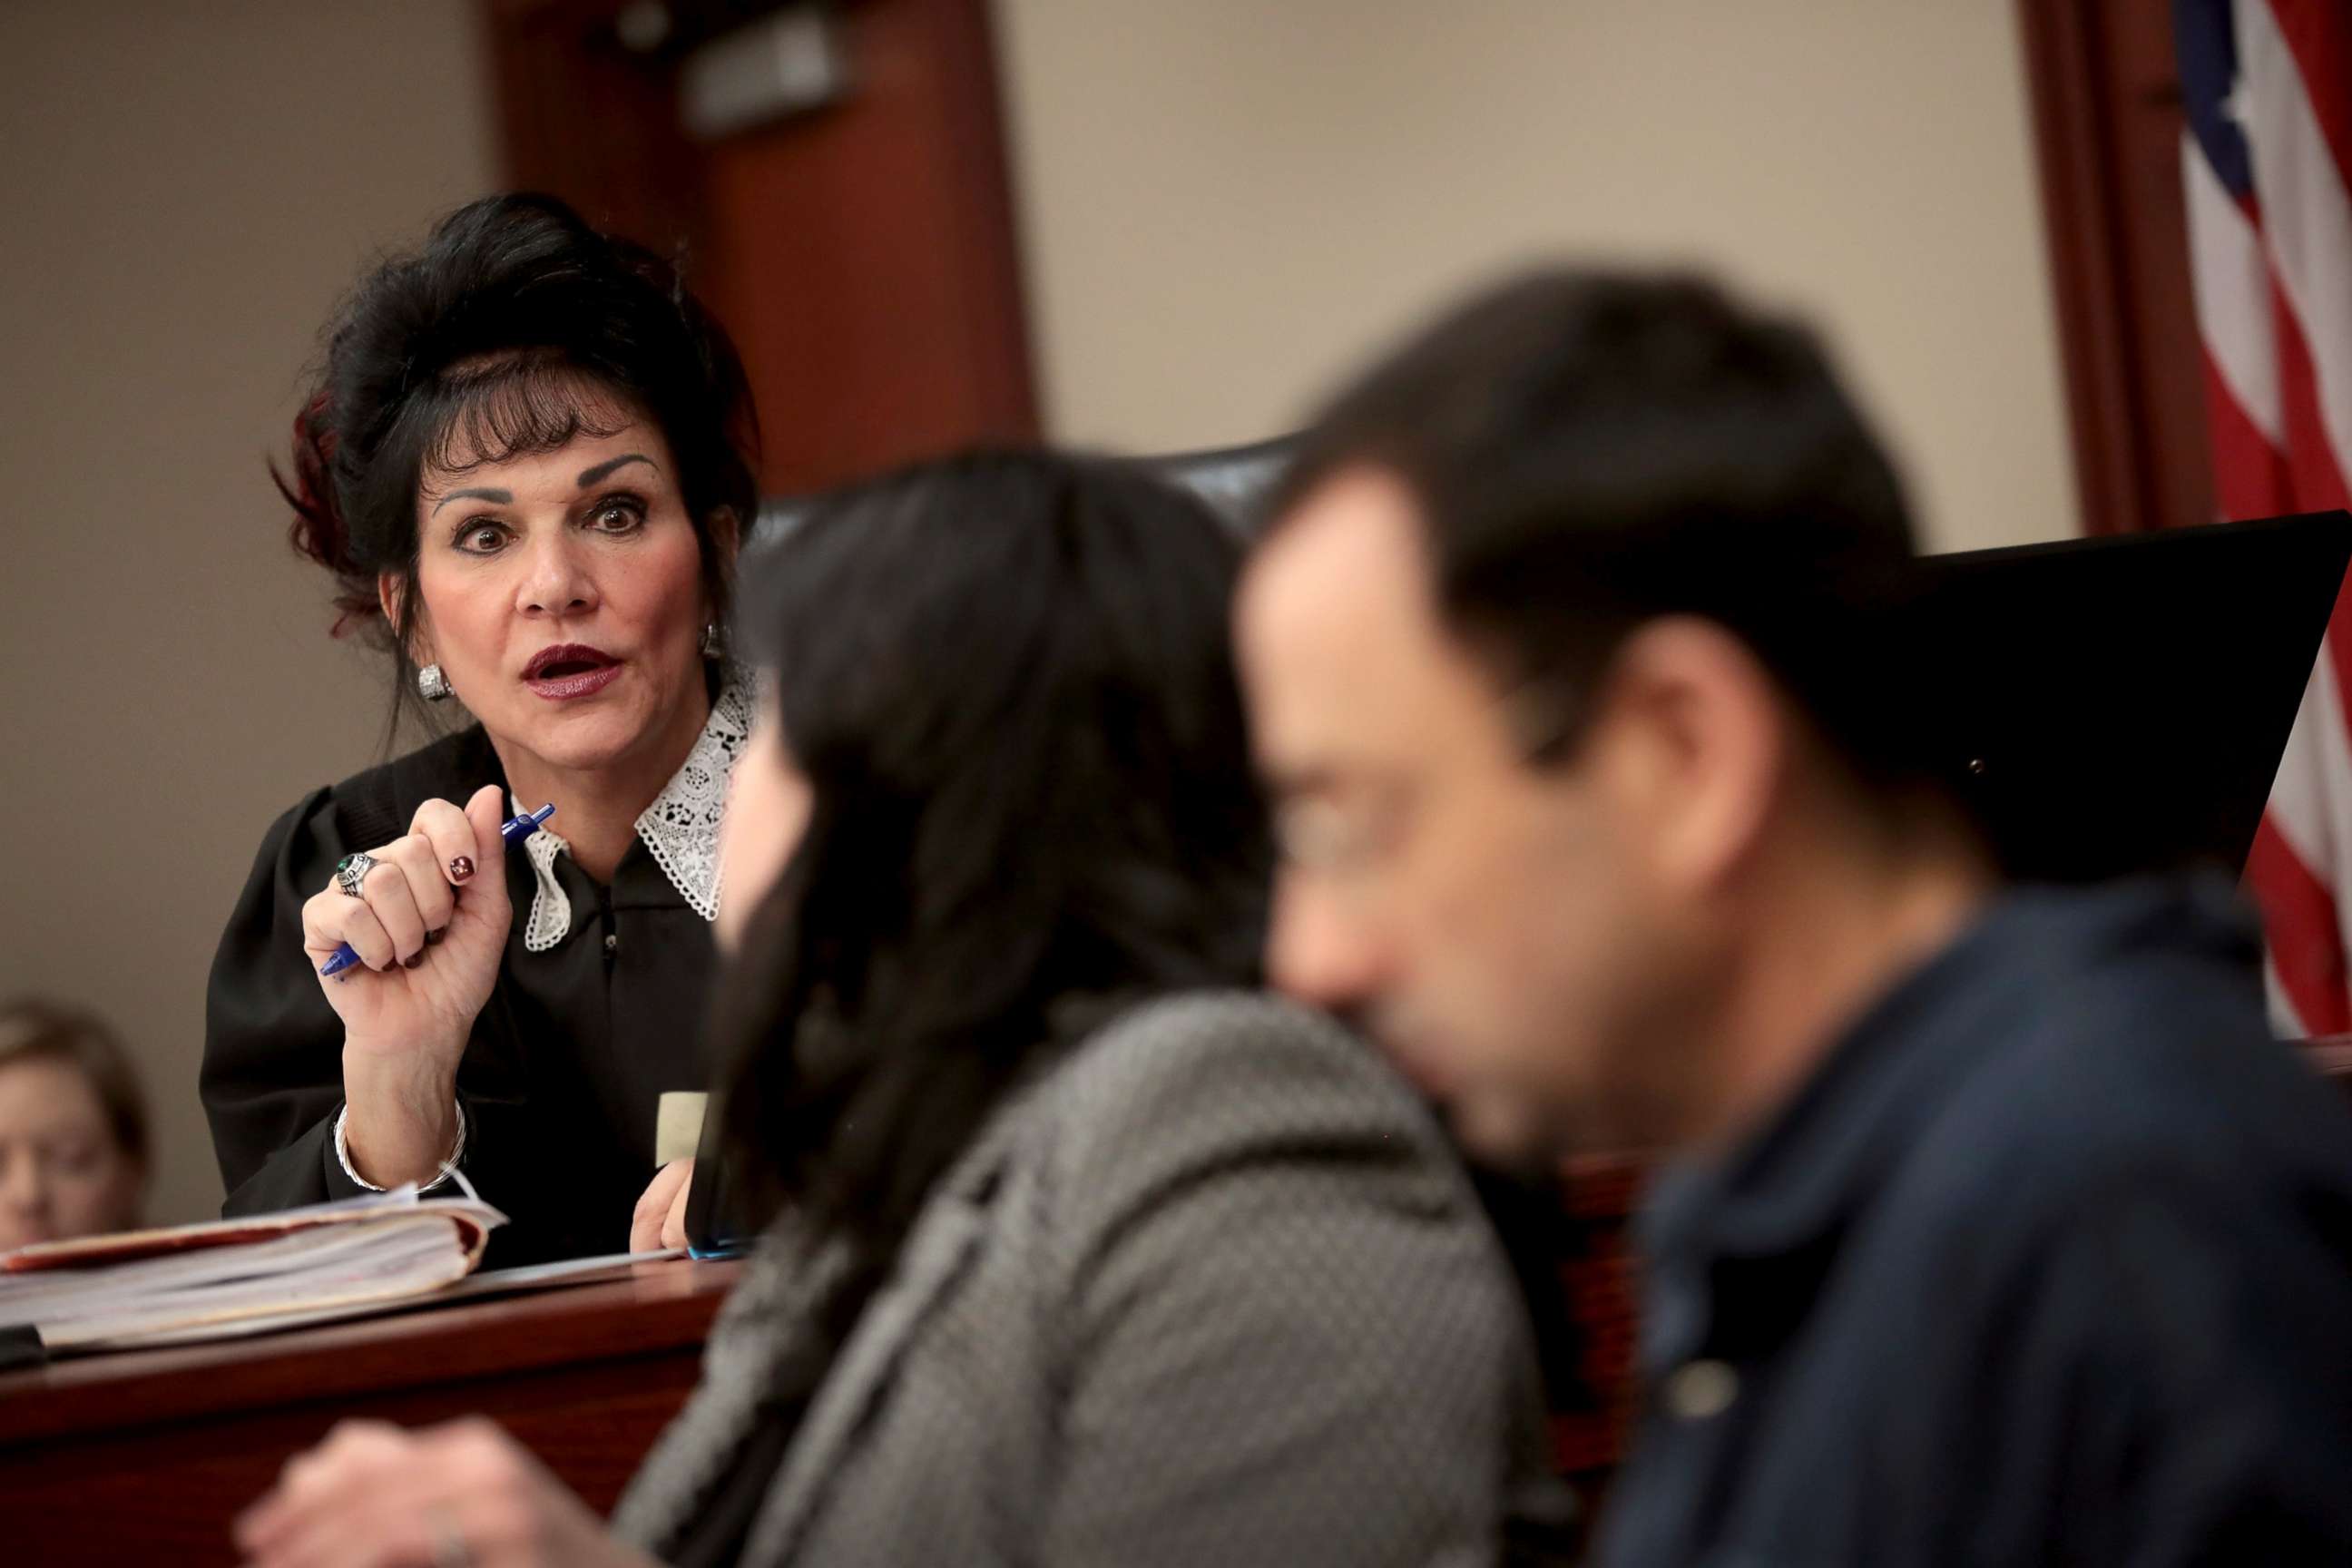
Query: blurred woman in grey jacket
{"x": 1078, "y": 1249}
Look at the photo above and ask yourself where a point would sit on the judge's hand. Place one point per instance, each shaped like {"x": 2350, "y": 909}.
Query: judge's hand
{"x": 373, "y": 1496}
{"x": 660, "y": 1219}
{"x": 430, "y": 927}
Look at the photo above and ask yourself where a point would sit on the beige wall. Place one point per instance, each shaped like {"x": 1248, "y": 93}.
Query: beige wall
{"x": 186, "y": 187}
{"x": 1224, "y": 201}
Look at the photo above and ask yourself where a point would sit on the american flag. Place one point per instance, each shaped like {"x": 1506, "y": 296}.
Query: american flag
{"x": 2264, "y": 159}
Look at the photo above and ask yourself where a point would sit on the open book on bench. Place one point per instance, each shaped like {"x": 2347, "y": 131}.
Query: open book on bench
{"x": 240, "y": 1276}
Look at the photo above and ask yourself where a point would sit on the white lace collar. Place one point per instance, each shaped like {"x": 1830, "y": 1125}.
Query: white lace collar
{"x": 681, "y": 827}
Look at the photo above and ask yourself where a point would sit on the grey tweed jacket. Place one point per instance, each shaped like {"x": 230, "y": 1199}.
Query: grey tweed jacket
{"x": 1210, "y": 1292}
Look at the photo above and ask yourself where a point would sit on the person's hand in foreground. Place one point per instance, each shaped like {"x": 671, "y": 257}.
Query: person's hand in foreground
{"x": 374, "y": 1495}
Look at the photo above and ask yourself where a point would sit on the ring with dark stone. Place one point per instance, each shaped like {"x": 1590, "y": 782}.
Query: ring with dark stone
{"x": 352, "y": 871}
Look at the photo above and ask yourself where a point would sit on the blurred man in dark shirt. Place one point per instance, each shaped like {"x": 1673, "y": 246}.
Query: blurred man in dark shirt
{"x": 2001, "y": 1232}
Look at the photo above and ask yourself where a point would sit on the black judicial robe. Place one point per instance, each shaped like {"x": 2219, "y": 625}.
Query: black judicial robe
{"x": 561, "y": 1079}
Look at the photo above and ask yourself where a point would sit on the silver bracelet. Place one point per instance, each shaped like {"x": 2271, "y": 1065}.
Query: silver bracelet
{"x": 343, "y": 1152}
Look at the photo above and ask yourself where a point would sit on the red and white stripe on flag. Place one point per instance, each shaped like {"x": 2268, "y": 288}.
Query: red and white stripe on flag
{"x": 2265, "y": 164}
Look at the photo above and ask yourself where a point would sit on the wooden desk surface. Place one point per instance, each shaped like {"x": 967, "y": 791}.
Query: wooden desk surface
{"x": 146, "y": 1455}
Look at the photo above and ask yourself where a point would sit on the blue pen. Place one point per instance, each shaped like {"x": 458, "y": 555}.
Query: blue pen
{"x": 514, "y": 830}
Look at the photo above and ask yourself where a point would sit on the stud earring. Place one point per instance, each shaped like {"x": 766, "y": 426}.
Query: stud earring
{"x": 432, "y": 684}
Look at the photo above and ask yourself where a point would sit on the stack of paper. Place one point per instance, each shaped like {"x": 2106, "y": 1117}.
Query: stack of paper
{"x": 241, "y": 1276}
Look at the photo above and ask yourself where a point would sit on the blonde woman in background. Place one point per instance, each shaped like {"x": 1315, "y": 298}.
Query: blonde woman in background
{"x": 73, "y": 1127}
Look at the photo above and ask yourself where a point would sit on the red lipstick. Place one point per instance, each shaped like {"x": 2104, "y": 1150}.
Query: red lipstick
{"x": 570, "y": 670}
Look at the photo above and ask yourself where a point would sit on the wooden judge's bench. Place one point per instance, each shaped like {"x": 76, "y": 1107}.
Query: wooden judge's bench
{"x": 146, "y": 1456}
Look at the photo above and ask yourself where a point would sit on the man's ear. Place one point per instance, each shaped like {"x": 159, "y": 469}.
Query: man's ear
{"x": 1699, "y": 734}
{"x": 391, "y": 593}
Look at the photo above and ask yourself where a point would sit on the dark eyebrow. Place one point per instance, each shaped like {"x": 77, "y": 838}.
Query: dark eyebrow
{"x": 502, "y": 498}
{"x": 590, "y": 476}
{"x": 1340, "y": 776}
{"x": 1286, "y": 783}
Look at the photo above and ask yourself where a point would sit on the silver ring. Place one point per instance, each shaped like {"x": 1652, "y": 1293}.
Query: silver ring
{"x": 449, "y": 1549}
{"x": 352, "y": 871}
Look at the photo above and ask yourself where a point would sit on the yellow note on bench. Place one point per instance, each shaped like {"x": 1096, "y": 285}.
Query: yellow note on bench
{"x": 677, "y": 1126}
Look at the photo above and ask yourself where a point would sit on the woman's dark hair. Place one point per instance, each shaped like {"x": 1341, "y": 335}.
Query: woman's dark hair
{"x": 1589, "y": 450}
{"x": 516, "y": 328}
{"x": 31, "y": 1029}
{"x": 1008, "y": 681}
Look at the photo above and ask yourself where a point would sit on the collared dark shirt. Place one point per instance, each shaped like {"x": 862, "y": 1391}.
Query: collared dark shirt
{"x": 2051, "y": 1262}
{"x": 563, "y": 1078}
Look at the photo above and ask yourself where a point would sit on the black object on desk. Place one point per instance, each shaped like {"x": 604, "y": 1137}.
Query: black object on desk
{"x": 20, "y": 1345}
{"x": 2119, "y": 705}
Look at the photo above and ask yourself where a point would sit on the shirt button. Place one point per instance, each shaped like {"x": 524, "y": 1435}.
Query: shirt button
{"x": 1699, "y": 1390}
{"x": 612, "y": 941}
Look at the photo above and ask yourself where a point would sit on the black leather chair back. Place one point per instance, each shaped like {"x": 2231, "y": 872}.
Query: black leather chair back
{"x": 1234, "y": 480}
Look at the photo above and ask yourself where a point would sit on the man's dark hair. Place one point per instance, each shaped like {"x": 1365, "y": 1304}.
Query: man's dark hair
{"x": 1591, "y": 450}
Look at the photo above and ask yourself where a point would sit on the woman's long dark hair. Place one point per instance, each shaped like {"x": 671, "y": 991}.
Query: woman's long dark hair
{"x": 1008, "y": 679}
